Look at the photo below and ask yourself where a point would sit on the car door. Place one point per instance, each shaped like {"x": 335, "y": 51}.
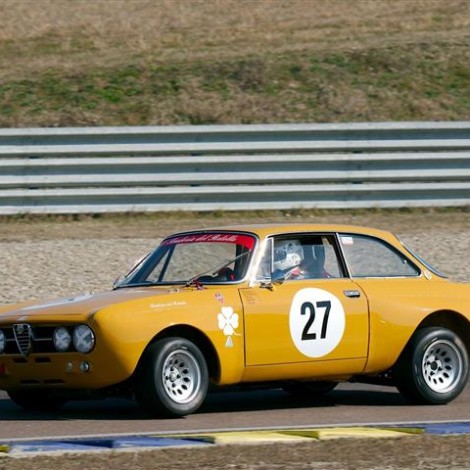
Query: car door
{"x": 308, "y": 319}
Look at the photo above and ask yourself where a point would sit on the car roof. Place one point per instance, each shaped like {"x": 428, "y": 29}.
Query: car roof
{"x": 265, "y": 230}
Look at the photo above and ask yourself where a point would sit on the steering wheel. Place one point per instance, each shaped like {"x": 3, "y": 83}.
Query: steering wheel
{"x": 226, "y": 274}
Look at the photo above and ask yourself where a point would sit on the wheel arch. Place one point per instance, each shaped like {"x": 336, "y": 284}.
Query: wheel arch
{"x": 451, "y": 320}
{"x": 195, "y": 336}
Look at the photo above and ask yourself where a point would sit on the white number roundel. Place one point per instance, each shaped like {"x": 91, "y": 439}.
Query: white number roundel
{"x": 316, "y": 321}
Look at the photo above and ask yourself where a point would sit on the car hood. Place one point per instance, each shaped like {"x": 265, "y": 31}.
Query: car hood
{"x": 81, "y": 305}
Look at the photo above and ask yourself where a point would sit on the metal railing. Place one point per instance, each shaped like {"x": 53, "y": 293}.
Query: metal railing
{"x": 205, "y": 168}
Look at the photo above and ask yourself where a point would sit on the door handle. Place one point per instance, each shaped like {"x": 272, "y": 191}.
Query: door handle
{"x": 352, "y": 293}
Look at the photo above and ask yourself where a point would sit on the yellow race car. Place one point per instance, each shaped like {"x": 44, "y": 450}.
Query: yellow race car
{"x": 300, "y": 306}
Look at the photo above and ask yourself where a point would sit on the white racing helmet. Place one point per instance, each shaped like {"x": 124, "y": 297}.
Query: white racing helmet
{"x": 288, "y": 254}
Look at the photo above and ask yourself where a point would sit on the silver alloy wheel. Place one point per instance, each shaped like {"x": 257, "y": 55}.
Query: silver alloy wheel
{"x": 181, "y": 376}
{"x": 442, "y": 366}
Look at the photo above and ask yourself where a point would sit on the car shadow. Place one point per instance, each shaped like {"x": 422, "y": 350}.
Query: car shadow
{"x": 228, "y": 402}
{"x": 216, "y": 402}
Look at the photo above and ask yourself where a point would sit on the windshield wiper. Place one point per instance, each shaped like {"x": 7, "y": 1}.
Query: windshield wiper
{"x": 194, "y": 282}
{"x": 137, "y": 284}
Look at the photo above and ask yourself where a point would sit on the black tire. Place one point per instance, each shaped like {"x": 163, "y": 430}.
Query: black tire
{"x": 433, "y": 368}
{"x": 36, "y": 400}
{"x": 172, "y": 379}
{"x": 309, "y": 389}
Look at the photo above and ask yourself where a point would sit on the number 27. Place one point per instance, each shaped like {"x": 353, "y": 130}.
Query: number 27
{"x": 309, "y": 308}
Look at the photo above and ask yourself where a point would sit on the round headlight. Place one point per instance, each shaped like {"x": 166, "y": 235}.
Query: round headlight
{"x": 83, "y": 339}
{"x": 62, "y": 339}
{"x": 2, "y": 341}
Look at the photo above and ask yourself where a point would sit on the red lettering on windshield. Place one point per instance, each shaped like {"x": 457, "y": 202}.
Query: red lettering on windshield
{"x": 238, "y": 239}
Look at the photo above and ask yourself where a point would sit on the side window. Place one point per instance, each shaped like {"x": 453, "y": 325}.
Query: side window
{"x": 370, "y": 257}
{"x": 301, "y": 256}
{"x": 320, "y": 257}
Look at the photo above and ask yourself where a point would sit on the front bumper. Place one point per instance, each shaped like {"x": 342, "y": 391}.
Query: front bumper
{"x": 57, "y": 371}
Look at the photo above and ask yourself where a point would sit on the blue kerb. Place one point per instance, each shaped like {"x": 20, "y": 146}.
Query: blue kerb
{"x": 155, "y": 442}
{"x": 48, "y": 446}
{"x": 447, "y": 428}
{"x": 104, "y": 443}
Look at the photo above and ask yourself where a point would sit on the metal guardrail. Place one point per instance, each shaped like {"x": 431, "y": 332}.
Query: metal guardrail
{"x": 204, "y": 168}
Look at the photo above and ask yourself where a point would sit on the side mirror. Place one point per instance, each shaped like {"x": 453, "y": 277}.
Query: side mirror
{"x": 278, "y": 276}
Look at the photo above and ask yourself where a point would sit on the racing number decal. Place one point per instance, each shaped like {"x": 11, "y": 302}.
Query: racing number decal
{"x": 308, "y": 307}
{"x": 316, "y": 321}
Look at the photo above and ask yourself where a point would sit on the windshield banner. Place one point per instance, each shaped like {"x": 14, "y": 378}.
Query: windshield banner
{"x": 238, "y": 239}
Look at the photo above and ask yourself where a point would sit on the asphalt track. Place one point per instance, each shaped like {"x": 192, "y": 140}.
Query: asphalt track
{"x": 349, "y": 404}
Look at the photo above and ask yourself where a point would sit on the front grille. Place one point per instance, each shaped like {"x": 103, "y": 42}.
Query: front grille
{"x": 32, "y": 339}
{"x": 22, "y": 332}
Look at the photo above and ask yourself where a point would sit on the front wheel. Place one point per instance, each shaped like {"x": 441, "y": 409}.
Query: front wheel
{"x": 172, "y": 379}
{"x": 433, "y": 368}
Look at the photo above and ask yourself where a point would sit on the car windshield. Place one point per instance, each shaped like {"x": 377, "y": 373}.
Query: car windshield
{"x": 195, "y": 258}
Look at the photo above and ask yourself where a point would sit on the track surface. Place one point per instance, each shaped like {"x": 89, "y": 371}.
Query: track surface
{"x": 348, "y": 404}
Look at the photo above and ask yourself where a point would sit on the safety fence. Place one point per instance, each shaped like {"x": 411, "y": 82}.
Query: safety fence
{"x": 245, "y": 167}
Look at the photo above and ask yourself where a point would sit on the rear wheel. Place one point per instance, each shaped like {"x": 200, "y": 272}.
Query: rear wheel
{"x": 433, "y": 368}
{"x": 172, "y": 379}
{"x": 36, "y": 400}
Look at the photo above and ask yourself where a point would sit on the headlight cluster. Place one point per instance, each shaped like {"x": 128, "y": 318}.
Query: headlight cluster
{"x": 81, "y": 336}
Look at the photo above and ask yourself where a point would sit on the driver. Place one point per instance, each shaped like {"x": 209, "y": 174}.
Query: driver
{"x": 299, "y": 262}
{"x": 288, "y": 256}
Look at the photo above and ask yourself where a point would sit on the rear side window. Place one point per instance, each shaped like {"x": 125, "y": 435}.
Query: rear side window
{"x": 371, "y": 257}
